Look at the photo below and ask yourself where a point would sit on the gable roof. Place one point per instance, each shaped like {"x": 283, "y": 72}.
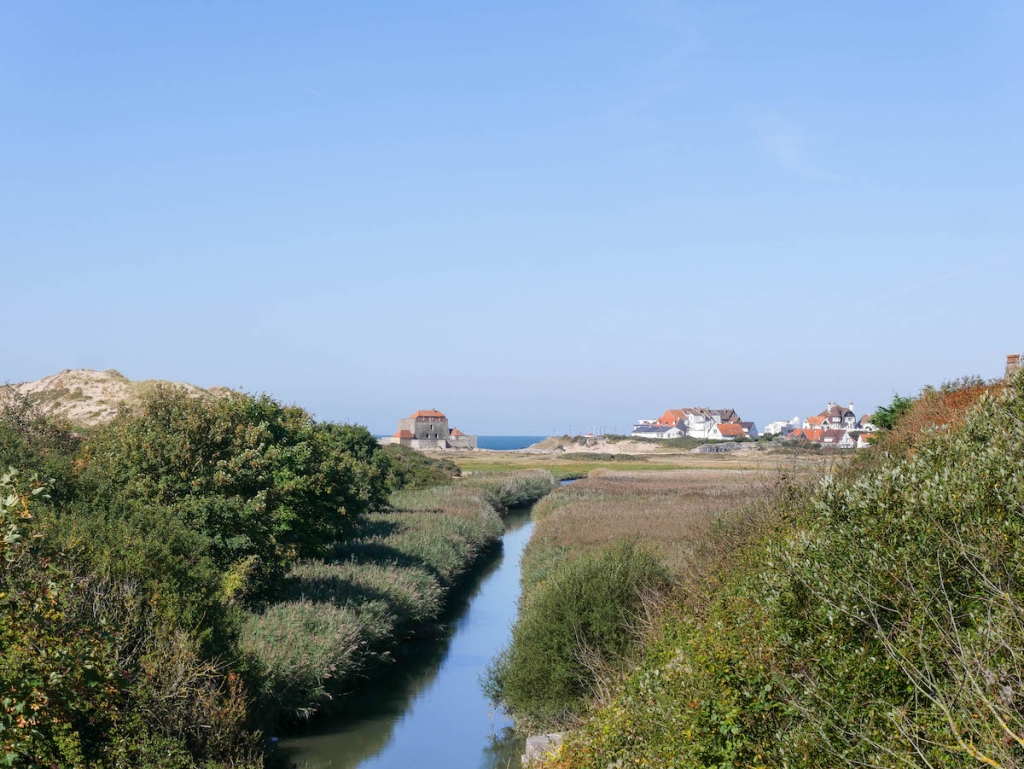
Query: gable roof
{"x": 833, "y": 436}
{"x": 730, "y": 429}
{"x": 726, "y": 415}
{"x": 654, "y": 428}
{"x": 428, "y": 414}
{"x": 815, "y": 420}
{"x": 672, "y": 417}
{"x": 835, "y": 410}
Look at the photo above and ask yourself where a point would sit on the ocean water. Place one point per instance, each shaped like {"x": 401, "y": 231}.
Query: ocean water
{"x": 502, "y": 442}
{"x": 507, "y": 442}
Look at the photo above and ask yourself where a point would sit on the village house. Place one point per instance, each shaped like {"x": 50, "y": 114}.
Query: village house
{"x": 836, "y": 439}
{"x": 864, "y": 440}
{"x": 428, "y": 429}
{"x": 783, "y": 428}
{"x": 834, "y": 417}
{"x": 727, "y": 431}
{"x": 810, "y": 434}
{"x": 699, "y": 422}
{"x": 662, "y": 432}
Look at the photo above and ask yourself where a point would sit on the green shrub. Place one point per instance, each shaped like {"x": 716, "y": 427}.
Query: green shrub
{"x": 263, "y": 483}
{"x": 510, "y": 491}
{"x": 601, "y": 457}
{"x": 87, "y": 678}
{"x": 573, "y": 626}
{"x": 879, "y": 626}
{"x": 35, "y": 442}
{"x": 411, "y": 469}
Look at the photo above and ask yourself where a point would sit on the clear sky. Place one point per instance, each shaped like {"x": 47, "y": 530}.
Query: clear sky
{"x": 525, "y": 214}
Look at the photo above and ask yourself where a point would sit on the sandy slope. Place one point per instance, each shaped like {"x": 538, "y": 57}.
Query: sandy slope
{"x": 90, "y": 397}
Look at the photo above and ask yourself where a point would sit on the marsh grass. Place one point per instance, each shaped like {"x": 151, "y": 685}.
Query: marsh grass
{"x": 341, "y": 618}
{"x": 671, "y": 512}
{"x": 604, "y": 557}
{"x": 511, "y": 491}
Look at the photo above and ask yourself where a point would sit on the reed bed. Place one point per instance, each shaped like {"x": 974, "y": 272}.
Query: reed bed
{"x": 341, "y": 618}
{"x": 671, "y": 512}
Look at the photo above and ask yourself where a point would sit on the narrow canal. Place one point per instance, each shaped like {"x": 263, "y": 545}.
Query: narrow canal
{"x": 430, "y": 710}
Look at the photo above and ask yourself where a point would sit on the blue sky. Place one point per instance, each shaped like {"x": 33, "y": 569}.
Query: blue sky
{"x": 528, "y": 215}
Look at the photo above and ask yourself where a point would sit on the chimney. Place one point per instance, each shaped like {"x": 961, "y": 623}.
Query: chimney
{"x": 1012, "y": 364}
{"x": 851, "y": 405}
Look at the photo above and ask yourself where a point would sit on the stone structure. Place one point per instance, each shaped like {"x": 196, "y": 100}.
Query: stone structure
{"x": 540, "y": 745}
{"x": 1012, "y": 364}
{"x": 428, "y": 429}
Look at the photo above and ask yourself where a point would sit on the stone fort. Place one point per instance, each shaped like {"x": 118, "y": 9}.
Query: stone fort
{"x": 428, "y": 429}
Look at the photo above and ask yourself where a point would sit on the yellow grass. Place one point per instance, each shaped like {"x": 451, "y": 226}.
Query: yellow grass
{"x": 670, "y": 510}
{"x": 488, "y": 461}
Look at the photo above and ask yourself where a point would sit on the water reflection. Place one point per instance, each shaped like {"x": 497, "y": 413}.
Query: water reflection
{"x": 430, "y": 710}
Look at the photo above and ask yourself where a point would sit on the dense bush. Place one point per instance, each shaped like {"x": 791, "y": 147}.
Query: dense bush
{"x": 411, "y": 469}
{"x": 37, "y": 443}
{"x": 85, "y": 679}
{"x": 262, "y": 482}
{"x": 574, "y": 627}
{"x": 879, "y": 625}
{"x": 511, "y": 491}
{"x": 123, "y": 590}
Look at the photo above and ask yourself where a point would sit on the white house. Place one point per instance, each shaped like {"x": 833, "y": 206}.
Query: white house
{"x": 729, "y": 431}
{"x": 780, "y": 427}
{"x": 864, "y": 440}
{"x": 663, "y": 432}
{"x": 837, "y": 439}
{"x": 834, "y": 417}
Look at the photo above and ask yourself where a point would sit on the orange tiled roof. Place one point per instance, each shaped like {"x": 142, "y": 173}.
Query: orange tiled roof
{"x": 672, "y": 417}
{"x": 456, "y": 432}
{"x": 815, "y": 420}
{"x": 813, "y": 435}
{"x": 730, "y": 430}
{"x": 403, "y": 434}
{"x": 429, "y": 413}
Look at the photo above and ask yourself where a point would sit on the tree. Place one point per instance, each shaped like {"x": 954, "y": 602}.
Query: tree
{"x": 886, "y": 417}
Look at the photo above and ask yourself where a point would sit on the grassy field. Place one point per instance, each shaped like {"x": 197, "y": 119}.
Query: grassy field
{"x": 579, "y": 465}
{"x": 667, "y": 511}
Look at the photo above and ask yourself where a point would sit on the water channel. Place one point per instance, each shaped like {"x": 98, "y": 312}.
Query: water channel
{"x": 430, "y": 710}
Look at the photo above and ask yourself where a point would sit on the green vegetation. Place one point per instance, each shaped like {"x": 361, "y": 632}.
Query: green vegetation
{"x": 340, "y": 617}
{"x": 411, "y": 469}
{"x": 601, "y": 457}
{"x": 599, "y": 558}
{"x": 202, "y": 568}
{"x": 874, "y": 621}
{"x": 886, "y": 417}
{"x": 573, "y": 627}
